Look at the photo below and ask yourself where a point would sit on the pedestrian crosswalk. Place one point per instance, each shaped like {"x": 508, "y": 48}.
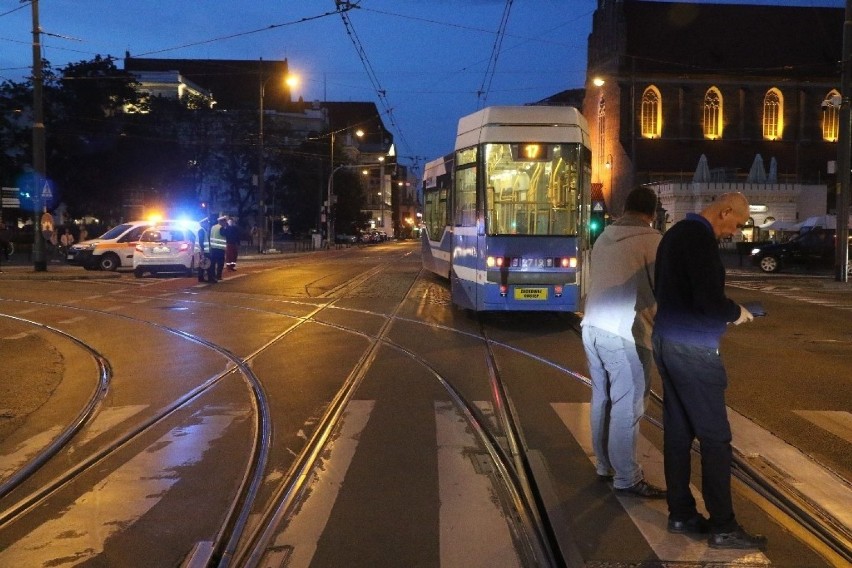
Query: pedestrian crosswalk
{"x": 797, "y": 293}
{"x": 473, "y": 526}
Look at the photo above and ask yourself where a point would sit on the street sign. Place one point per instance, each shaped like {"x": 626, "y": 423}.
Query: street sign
{"x": 46, "y": 193}
{"x": 597, "y": 206}
{"x": 11, "y": 197}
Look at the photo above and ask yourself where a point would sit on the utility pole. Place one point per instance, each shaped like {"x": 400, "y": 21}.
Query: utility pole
{"x": 39, "y": 161}
{"x": 844, "y": 148}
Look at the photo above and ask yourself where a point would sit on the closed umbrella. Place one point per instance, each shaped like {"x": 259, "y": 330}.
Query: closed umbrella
{"x": 757, "y": 174}
{"x": 702, "y": 172}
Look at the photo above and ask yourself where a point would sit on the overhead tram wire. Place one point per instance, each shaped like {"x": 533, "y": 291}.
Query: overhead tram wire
{"x": 368, "y": 67}
{"x": 482, "y": 94}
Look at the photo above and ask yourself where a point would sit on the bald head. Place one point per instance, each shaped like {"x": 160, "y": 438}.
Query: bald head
{"x": 727, "y": 214}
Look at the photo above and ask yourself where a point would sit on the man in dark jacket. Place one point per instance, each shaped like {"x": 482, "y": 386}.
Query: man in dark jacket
{"x": 204, "y": 256}
{"x": 692, "y": 314}
{"x": 231, "y": 232}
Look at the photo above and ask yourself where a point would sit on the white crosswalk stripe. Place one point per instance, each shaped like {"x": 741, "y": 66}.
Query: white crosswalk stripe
{"x": 795, "y": 293}
{"x": 651, "y": 516}
{"x": 472, "y": 525}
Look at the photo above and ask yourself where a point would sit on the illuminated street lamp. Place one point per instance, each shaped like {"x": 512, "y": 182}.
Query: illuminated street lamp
{"x": 291, "y": 81}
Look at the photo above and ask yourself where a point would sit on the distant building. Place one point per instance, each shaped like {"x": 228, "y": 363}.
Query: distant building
{"x": 236, "y": 85}
{"x": 668, "y": 83}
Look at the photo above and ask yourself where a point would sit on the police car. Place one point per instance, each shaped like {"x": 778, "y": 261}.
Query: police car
{"x": 167, "y": 247}
{"x": 111, "y": 251}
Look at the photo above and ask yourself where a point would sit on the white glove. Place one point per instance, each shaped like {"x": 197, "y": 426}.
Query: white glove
{"x": 745, "y": 316}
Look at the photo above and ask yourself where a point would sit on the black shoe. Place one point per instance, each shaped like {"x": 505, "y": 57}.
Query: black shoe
{"x": 605, "y": 478}
{"x": 695, "y": 525}
{"x": 738, "y": 539}
{"x": 643, "y": 489}
{"x": 212, "y": 280}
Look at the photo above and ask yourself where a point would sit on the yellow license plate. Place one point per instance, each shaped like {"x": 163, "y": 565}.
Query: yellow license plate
{"x": 530, "y": 293}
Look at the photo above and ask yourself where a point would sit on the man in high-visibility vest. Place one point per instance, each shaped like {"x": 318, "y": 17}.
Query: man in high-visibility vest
{"x": 218, "y": 246}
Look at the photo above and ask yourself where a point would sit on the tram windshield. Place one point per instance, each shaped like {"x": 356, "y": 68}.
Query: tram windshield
{"x": 532, "y": 189}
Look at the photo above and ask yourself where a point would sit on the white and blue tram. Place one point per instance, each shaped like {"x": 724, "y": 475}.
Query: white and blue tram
{"x": 506, "y": 215}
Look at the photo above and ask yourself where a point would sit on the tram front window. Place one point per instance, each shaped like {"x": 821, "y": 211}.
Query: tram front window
{"x": 532, "y": 189}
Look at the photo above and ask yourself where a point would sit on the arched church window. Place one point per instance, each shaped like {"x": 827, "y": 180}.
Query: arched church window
{"x": 831, "y": 116}
{"x": 652, "y": 112}
{"x": 713, "y": 113}
{"x": 773, "y": 114}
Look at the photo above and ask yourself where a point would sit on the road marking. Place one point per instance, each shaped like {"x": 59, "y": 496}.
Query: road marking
{"x": 16, "y": 457}
{"x": 472, "y": 525}
{"x": 807, "y": 477}
{"x": 18, "y": 335}
{"x": 651, "y": 515}
{"x": 123, "y": 496}
{"x": 837, "y": 422}
{"x": 73, "y": 320}
{"x": 298, "y": 543}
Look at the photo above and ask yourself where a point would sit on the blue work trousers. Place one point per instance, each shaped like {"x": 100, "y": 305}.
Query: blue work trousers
{"x": 619, "y": 371}
{"x": 694, "y": 383}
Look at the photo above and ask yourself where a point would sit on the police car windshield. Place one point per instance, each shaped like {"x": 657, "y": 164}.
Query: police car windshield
{"x": 163, "y": 236}
{"x": 116, "y": 231}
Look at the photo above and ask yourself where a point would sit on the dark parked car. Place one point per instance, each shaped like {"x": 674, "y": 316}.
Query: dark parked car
{"x": 814, "y": 247}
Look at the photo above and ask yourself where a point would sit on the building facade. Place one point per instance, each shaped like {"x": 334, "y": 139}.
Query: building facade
{"x": 668, "y": 83}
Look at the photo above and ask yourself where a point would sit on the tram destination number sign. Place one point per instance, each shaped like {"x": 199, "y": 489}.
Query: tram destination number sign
{"x": 526, "y": 293}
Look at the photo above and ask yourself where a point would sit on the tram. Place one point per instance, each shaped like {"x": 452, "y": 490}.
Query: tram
{"x": 506, "y": 214}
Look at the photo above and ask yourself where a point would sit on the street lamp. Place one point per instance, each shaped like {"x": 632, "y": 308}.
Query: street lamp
{"x": 290, "y": 80}
{"x": 329, "y": 223}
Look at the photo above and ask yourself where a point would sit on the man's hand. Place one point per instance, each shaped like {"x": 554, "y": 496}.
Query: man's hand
{"x": 745, "y": 316}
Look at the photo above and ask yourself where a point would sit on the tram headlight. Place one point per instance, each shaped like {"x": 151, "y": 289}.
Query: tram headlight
{"x": 568, "y": 262}
{"x": 496, "y": 261}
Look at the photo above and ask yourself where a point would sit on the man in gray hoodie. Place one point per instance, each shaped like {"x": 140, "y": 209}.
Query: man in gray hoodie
{"x": 617, "y": 326}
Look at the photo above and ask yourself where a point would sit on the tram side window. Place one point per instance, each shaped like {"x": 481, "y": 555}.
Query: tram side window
{"x": 435, "y": 213}
{"x": 465, "y": 203}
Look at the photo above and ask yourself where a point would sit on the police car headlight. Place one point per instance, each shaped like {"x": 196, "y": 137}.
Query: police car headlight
{"x": 755, "y": 251}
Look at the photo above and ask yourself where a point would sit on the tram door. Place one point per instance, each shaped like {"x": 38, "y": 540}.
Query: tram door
{"x": 466, "y": 251}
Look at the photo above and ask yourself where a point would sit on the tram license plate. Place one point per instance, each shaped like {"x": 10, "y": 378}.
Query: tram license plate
{"x": 530, "y": 293}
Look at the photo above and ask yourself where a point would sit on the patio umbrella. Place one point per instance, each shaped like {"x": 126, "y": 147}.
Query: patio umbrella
{"x": 702, "y": 172}
{"x": 757, "y": 174}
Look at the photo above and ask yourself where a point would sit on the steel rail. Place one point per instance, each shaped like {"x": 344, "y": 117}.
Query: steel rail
{"x": 83, "y": 417}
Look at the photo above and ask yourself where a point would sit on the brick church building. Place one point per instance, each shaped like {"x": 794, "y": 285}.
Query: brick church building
{"x": 668, "y": 83}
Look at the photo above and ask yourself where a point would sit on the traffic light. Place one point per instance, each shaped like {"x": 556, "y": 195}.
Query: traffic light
{"x": 596, "y": 226}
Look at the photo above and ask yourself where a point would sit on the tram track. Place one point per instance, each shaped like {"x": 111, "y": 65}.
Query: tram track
{"x": 76, "y": 424}
{"x": 243, "y": 545}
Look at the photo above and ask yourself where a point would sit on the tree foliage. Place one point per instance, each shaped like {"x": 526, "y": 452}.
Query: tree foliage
{"x": 112, "y": 151}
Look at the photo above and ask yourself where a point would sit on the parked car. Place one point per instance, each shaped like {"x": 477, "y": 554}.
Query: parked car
{"x": 813, "y": 247}
{"x": 111, "y": 251}
{"x": 346, "y": 239}
{"x": 167, "y": 248}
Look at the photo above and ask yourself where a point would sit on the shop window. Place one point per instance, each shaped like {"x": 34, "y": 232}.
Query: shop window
{"x": 773, "y": 114}
{"x": 713, "y": 114}
{"x": 652, "y": 112}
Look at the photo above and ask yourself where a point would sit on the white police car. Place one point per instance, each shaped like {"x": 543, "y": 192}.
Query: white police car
{"x": 167, "y": 247}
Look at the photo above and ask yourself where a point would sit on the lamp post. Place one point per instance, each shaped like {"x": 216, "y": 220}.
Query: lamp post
{"x": 290, "y": 80}
{"x": 329, "y": 223}
{"x": 39, "y": 159}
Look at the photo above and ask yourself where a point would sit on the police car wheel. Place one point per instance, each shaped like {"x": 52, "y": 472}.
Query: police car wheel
{"x": 109, "y": 261}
